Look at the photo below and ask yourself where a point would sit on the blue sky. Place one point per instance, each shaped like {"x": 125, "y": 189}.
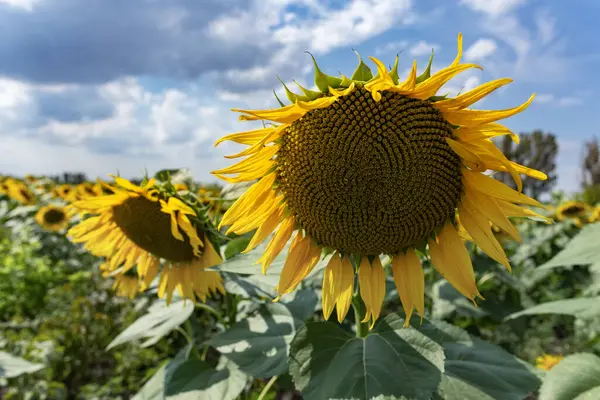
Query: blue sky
{"x": 101, "y": 86}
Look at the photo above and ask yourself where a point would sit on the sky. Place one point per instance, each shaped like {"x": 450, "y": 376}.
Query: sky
{"x": 112, "y": 86}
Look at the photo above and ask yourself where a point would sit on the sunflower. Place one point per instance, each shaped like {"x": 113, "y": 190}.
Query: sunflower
{"x": 595, "y": 217}
{"x": 22, "y": 193}
{"x": 548, "y": 361}
{"x": 140, "y": 226}
{"x": 88, "y": 189}
{"x": 180, "y": 186}
{"x": 4, "y": 187}
{"x": 371, "y": 165}
{"x": 571, "y": 210}
{"x": 64, "y": 191}
{"x": 52, "y": 218}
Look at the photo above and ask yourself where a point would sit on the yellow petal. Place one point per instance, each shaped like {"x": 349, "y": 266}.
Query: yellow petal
{"x": 300, "y": 261}
{"x": 210, "y": 257}
{"x": 472, "y": 96}
{"x": 345, "y": 290}
{"x": 470, "y": 118}
{"x": 478, "y": 227}
{"x": 410, "y": 283}
{"x": 248, "y": 137}
{"x": 247, "y": 200}
{"x": 458, "y": 51}
{"x": 484, "y": 131}
{"x": 266, "y": 228}
{"x": 277, "y": 243}
{"x": 430, "y": 86}
{"x": 255, "y": 161}
{"x": 451, "y": 258}
{"x": 470, "y": 158}
{"x": 372, "y": 288}
{"x": 491, "y": 187}
{"x": 332, "y": 270}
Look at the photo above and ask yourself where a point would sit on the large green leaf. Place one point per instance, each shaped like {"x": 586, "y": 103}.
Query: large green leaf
{"x": 584, "y": 307}
{"x": 154, "y": 388}
{"x": 328, "y": 362}
{"x": 575, "y": 377}
{"x": 582, "y": 250}
{"x": 447, "y": 300}
{"x": 259, "y": 344}
{"x": 158, "y": 322}
{"x": 11, "y": 366}
{"x": 477, "y": 370}
{"x": 195, "y": 379}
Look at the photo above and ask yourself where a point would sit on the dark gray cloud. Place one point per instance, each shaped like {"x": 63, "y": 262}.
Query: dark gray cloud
{"x": 73, "y": 105}
{"x": 95, "y": 41}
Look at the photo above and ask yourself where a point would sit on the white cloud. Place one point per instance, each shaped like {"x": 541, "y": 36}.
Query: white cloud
{"x": 422, "y": 48}
{"x": 481, "y": 49}
{"x": 558, "y": 101}
{"x": 493, "y": 7}
{"x": 320, "y": 31}
{"x": 26, "y": 5}
{"x": 391, "y": 47}
{"x": 544, "y": 98}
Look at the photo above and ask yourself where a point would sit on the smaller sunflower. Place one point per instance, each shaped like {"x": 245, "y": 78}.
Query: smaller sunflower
{"x": 548, "y": 361}
{"x": 88, "y": 189}
{"x": 52, "y": 218}
{"x": 180, "y": 186}
{"x": 571, "y": 210}
{"x": 148, "y": 226}
{"x": 22, "y": 193}
{"x": 595, "y": 215}
{"x": 63, "y": 191}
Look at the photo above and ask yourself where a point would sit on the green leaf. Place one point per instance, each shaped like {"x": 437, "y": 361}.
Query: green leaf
{"x": 583, "y": 249}
{"x": 157, "y": 323}
{"x": 154, "y": 388}
{"x": 165, "y": 174}
{"x": 575, "y": 377}
{"x": 328, "y": 362}
{"x": 11, "y": 366}
{"x": 236, "y": 246}
{"x": 362, "y": 73}
{"x": 447, "y": 301}
{"x": 259, "y": 344}
{"x": 195, "y": 379}
{"x": 323, "y": 81}
{"x": 584, "y": 307}
{"x": 477, "y": 370}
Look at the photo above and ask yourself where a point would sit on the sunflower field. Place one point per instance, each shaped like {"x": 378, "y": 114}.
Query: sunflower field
{"x": 360, "y": 248}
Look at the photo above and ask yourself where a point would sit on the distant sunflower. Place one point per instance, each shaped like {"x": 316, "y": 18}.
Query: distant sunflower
{"x": 370, "y": 165}
{"x": 548, "y": 361}
{"x": 22, "y": 193}
{"x": 140, "y": 226}
{"x": 4, "y": 187}
{"x": 180, "y": 186}
{"x": 595, "y": 217}
{"x": 572, "y": 210}
{"x": 52, "y": 218}
{"x": 62, "y": 191}
{"x": 88, "y": 189}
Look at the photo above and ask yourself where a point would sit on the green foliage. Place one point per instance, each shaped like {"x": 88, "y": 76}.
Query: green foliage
{"x": 591, "y": 163}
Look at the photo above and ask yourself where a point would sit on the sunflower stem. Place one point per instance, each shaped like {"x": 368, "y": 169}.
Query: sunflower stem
{"x": 362, "y": 328}
{"x": 214, "y": 312}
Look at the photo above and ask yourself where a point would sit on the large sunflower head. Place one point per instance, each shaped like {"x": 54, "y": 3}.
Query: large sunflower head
{"x": 151, "y": 228}
{"x": 572, "y": 210}
{"x": 22, "y": 193}
{"x": 372, "y": 165}
{"x": 52, "y": 218}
